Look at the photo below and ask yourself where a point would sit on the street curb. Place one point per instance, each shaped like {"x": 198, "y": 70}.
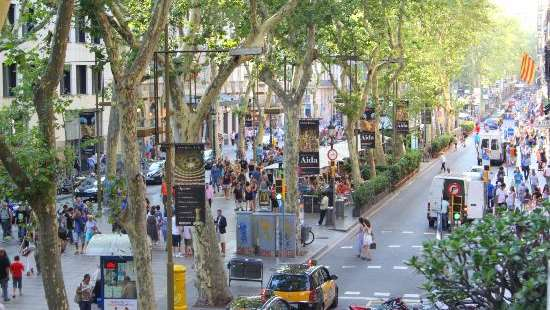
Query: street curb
{"x": 371, "y": 212}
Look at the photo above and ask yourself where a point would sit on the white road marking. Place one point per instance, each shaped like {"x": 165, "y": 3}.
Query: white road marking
{"x": 400, "y": 267}
{"x": 374, "y": 267}
{"x": 416, "y": 246}
{"x": 348, "y": 267}
{"x": 358, "y": 298}
{"x": 411, "y": 296}
{"x": 411, "y": 301}
{"x": 429, "y": 233}
{"x": 347, "y": 247}
{"x": 394, "y": 246}
{"x": 386, "y": 231}
{"x": 352, "y": 293}
{"x": 381, "y": 294}
{"x": 407, "y": 232}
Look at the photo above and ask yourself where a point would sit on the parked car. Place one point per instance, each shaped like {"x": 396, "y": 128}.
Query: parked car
{"x": 87, "y": 190}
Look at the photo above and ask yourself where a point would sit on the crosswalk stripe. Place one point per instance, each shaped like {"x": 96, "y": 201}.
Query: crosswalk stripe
{"x": 374, "y": 267}
{"x": 417, "y": 246}
{"x": 346, "y": 247}
{"x": 386, "y": 231}
{"x": 382, "y": 294}
{"x": 394, "y": 246}
{"x": 411, "y": 296}
{"x": 352, "y": 293}
{"x": 400, "y": 267}
{"x": 348, "y": 267}
{"x": 429, "y": 233}
{"x": 408, "y": 232}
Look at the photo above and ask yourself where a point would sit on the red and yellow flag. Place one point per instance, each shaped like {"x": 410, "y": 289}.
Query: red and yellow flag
{"x": 527, "y": 71}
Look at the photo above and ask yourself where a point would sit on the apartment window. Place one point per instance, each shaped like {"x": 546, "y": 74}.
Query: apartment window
{"x": 96, "y": 39}
{"x": 81, "y": 79}
{"x": 11, "y": 14}
{"x": 9, "y": 79}
{"x": 29, "y": 25}
{"x": 80, "y": 34}
{"x": 65, "y": 83}
{"x": 96, "y": 81}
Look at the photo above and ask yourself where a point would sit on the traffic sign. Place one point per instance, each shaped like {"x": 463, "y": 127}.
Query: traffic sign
{"x": 332, "y": 154}
{"x": 454, "y": 188}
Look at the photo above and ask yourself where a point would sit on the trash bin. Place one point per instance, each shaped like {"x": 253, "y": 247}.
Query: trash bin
{"x": 340, "y": 207}
{"x": 180, "y": 292}
{"x": 246, "y": 269}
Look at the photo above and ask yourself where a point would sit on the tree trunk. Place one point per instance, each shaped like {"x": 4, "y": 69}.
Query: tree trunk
{"x": 379, "y": 156}
{"x": 242, "y": 139}
{"x": 211, "y": 283}
{"x": 353, "y": 152}
{"x": 261, "y": 128}
{"x": 372, "y": 163}
{"x": 133, "y": 217}
{"x": 447, "y": 106}
{"x": 48, "y": 249}
{"x": 290, "y": 156}
{"x": 113, "y": 136}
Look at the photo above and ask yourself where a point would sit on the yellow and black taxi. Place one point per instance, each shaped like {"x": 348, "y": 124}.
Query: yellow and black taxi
{"x": 304, "y": 286}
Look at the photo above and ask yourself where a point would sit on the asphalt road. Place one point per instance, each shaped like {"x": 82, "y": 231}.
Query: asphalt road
{"x": 400, "y": 228}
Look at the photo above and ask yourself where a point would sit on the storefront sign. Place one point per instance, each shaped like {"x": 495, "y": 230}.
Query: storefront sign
{"x": 189, "y": 184}
{"x": 308, "y": 145}
{"x": 367, "y": 124}
{"x": 120, "y": 304}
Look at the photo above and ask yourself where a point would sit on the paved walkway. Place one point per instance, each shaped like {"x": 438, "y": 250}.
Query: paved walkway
{"x": 75, "y": 266}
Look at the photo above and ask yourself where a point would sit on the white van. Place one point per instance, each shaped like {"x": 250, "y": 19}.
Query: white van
{"x": 492, "y": 142}
{"x": 469, "y": 196}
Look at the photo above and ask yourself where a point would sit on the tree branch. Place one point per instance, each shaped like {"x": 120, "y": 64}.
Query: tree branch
{"x": 137, "y": 69}
{"x": 253, "y": 15}
{"x": 266, "y": 76}
{"x": 109, "y": 39}
{"x": 13, "y": 168}
{"x": 121, "y": 25}
{"x": 254, "y": 39}
{"x": 311, "y": 55}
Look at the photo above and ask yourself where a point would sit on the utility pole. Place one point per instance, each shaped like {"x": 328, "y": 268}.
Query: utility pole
{"x": 99, "y": 195}
{"x": 395, "y": 120}
{"x": 168, "y": 172}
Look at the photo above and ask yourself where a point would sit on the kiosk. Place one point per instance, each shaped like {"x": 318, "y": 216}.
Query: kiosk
{"x": 118, "y": 290}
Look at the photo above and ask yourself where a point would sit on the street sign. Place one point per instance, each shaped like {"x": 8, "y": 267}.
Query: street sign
{"x": 332, "y": 154}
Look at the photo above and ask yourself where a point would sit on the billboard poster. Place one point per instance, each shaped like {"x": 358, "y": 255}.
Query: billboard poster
{"x": 367, "y": 128}
{"x": 189, "y": 184}
{"x": 402, "y": 117}
{"x": 308, "y": 146}
{"x": 120, "y": 304}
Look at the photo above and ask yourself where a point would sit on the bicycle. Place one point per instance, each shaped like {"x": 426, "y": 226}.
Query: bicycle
{"x": 307, "y": 241}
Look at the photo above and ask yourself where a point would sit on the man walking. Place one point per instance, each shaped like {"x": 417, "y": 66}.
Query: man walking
{"x": 5, "y": 218}
{"x": 4, "y": 273}
{"x": 221, "y": 225}
{"x": 444, "y": 214}
{"x": 443, "y": 160}
{"x": 323, "y": 209}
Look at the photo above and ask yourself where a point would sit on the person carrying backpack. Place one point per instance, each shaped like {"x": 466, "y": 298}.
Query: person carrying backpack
{"x": 5, "y": 218}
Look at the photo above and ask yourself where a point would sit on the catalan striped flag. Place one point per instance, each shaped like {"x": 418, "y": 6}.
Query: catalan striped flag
{"x": 527, "y": 72}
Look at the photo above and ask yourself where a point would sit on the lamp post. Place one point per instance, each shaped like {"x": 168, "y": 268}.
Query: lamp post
{"x": 332, "y": 136}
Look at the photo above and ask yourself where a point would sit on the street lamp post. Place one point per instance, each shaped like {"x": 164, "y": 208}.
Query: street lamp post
{"x": 332, "y": 136}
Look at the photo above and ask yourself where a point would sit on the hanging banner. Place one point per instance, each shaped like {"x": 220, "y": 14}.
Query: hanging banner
{"x": 189, "y": 184}
{"x": 308, "y": 146}
{"x": 367, "y": 128}
{"x": 402, "y": 117}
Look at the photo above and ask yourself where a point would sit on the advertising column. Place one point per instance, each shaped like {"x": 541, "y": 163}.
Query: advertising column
{"x": 189, "y": 184}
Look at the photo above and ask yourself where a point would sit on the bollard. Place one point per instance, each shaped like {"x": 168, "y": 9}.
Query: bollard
{"x": 180, "y": 292}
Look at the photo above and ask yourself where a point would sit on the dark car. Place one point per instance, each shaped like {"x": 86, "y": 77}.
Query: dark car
{"x": 491, "y": 123}
{"x": 87, "y": 190}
